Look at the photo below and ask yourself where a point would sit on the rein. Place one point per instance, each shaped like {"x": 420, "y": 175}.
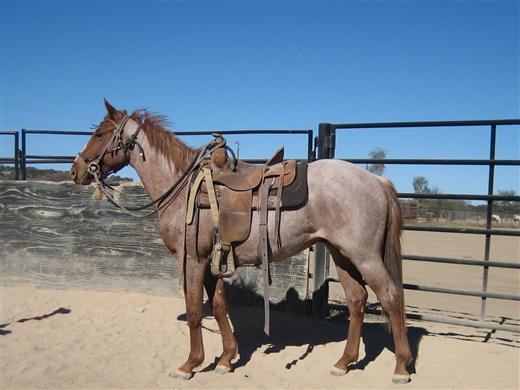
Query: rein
{"x": 160, "y": 201}
{"x": 116, "y": 144}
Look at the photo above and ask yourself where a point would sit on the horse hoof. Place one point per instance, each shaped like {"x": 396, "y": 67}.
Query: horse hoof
{"x": 401, "y": 379}
{"x": 183, "y": 375}
{"x": 235, "y": 359}
{"x": 221, "y": 369}
{"x": 335, "y": 371}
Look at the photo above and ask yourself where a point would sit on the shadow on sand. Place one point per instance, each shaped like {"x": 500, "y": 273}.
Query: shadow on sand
{"x": 291, "y": 327}
{"x": 61, "y": 310}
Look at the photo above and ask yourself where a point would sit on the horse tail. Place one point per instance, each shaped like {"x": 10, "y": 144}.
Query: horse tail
{"x": 392, "y": 243}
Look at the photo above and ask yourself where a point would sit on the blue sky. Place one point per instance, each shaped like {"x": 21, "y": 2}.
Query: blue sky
{"x": 212, "y": 65}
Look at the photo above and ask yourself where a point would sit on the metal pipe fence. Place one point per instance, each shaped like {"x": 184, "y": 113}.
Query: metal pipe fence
{"x": 325, "y": 143}
{"x": 498, "y": 325}
{"x": 15, "y": 160}
{"x": 327, "y": 146}
{"x": 25, "y": 158}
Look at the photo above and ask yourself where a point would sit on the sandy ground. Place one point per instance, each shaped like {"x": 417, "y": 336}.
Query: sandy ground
{"x": 469, "y": 278}
{"x": 84, "y": 339}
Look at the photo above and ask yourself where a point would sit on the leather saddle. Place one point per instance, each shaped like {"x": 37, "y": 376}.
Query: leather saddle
{"x": 238, "y": 195}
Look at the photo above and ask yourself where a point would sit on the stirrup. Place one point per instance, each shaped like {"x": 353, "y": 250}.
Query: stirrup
{"x": 221, "y": 251}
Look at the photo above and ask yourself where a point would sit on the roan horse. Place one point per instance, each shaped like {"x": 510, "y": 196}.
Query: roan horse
{"x": 355, "y": 212}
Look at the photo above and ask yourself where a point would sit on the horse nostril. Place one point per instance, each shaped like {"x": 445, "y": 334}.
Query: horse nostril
{"x": 73, "y": 173}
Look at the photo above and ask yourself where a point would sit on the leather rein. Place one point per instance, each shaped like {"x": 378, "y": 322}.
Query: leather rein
{"x": 94, "y": 167}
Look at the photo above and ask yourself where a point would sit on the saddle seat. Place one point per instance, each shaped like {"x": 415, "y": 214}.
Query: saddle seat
{"x": 245, "y": 176}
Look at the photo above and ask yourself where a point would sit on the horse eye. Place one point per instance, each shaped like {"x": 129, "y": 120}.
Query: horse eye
{"x": 99, "y": 135}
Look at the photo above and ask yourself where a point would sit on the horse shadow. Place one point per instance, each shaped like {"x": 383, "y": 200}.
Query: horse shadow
{"x": 290, "y": 327}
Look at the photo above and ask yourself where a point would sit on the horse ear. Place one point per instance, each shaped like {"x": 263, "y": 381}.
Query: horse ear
{"x": 111, "y": 110}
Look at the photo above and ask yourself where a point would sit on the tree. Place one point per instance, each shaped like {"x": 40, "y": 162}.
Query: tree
{"x": 377, "y": 154}
{"x": 508, "y": 206}
{"x": 506, "y": 203}
{"x": 420, "y": 185}
{"x": 436, "y": 206}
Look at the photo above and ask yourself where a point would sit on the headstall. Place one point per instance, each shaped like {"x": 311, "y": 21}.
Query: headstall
{"x": 117, "y": 143}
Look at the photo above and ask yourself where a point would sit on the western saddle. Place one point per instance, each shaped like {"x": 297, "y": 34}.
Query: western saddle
{"x": 232, "y": 190}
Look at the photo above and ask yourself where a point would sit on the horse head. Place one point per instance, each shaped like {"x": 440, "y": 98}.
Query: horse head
{"x": 106, "y": 151}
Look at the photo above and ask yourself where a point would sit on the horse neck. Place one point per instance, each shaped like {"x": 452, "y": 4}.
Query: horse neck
{"x": 157, "y": 172}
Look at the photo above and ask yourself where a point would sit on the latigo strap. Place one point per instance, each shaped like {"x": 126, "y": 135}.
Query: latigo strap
{"x": 263, "y": 249}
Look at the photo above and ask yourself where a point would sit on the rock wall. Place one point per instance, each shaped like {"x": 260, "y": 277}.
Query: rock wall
{"x": 55, "y": 235}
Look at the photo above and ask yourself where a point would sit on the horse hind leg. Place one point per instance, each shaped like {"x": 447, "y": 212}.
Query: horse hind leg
{"x": 217, "y": 298}
{"x": 390, "y": 294}
{"x": 356, "y": 296}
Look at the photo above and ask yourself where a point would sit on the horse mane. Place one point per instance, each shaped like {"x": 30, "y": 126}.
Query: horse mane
{"x": 163, "y": 140}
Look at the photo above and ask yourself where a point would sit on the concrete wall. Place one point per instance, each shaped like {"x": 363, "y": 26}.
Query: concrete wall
{"x": 54, "y": 235}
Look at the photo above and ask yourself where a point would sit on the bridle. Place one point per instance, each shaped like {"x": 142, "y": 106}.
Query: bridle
{"x": 94, "y": 166}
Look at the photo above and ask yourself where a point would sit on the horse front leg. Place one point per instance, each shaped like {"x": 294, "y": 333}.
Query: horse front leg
{"x": 193, "y": 293}
{"x": 217, "y": 298}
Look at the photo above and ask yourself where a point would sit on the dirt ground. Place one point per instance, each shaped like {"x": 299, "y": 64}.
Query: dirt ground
{"x": 84, "y": 339}
{"x": 470, "y": 278}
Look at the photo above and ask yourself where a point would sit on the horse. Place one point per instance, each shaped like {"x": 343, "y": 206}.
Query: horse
{"x": 353, "y": 211}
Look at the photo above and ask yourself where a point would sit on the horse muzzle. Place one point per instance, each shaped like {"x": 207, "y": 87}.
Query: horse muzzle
{"x": 79, "y": 172}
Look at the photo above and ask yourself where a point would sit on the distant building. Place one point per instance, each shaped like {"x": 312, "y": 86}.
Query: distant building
{"x": 410, "y": 208}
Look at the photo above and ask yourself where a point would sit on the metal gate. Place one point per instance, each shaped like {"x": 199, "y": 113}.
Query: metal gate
{"x": 326, "y": 149}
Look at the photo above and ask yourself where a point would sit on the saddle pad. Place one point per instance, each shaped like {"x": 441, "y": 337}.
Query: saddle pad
{"x": 294, "y": 196}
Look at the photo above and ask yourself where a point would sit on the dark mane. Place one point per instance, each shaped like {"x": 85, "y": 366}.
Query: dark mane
{"x": 163, "y": 140}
